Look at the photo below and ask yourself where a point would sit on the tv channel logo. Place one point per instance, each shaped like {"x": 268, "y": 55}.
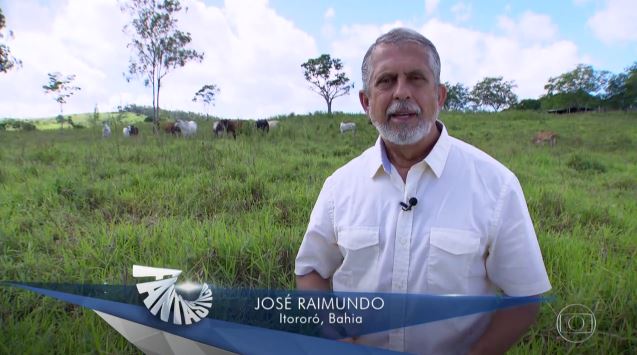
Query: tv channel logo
{"x": 576, "y": 323}
{"x": 164, "y": 298}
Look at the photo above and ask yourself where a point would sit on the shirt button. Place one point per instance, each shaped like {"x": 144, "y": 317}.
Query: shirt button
{"x": 403, "y": 241}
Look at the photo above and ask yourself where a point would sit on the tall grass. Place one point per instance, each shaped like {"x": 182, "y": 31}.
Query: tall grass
{"x": 78, "y": 208}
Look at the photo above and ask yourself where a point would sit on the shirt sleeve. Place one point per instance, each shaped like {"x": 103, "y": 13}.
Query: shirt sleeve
{"x": 515, "y": 263}
{"x": 319, "y": 251}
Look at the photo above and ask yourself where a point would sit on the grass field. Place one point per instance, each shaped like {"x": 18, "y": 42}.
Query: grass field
{"x": 78, "y": 208}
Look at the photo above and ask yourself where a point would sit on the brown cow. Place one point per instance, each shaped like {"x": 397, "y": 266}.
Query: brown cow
{"x": 171, "y": 128}
{"x": 545, "y": 136}
{"x": 225, "y": 125}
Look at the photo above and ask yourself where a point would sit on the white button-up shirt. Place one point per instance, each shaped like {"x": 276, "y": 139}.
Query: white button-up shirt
{"x": 470, "y": 233}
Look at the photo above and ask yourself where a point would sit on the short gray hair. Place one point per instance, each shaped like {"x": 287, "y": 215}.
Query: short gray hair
{"x": 400, "y": 35}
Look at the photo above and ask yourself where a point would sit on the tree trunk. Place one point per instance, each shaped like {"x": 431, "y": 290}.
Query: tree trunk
{"x": 156, "y": 119}
{"x": 154, "y": 102}
{"x": 329, "y": 107}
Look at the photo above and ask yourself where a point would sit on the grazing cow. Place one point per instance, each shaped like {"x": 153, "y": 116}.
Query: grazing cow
{"x": 171, "y": 128}
{"x": 545, "y": 136}
{"x": 187, "y": 128}
{"x": 130, "y": 130}
{"x": 273, "y": 123}
{"x": 348, "y": 126}
{"x": 263, "y": 125}
{"x": 227, "y": 126}
{"x": 106, "y": 130}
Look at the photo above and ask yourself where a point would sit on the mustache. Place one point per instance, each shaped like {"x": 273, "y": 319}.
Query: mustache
{"x": 403, "y": 106}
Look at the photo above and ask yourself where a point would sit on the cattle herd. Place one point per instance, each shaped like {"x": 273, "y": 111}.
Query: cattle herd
{"x": 227, "y": 127}
{"x": 189, "y": 128}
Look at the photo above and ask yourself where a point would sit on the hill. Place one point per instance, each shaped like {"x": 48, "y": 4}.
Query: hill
{"x": 82, "y": 209}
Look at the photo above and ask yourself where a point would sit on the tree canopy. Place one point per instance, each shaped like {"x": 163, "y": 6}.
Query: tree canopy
{"x": 7, "y": 61}
{"x": 61, "y": 87}
{"x": 494, "y": 92}
{"x": 158, "y": 45}
{"x": 207, "y": 95}
{"x": 575, "y": 89}
{"x": 458, "y": 97}
{"x": 327, "y": 78}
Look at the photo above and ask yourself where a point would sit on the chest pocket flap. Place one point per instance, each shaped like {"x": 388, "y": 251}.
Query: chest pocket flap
{"x": 454, "y": 241}
{"x": 358, "y": 237}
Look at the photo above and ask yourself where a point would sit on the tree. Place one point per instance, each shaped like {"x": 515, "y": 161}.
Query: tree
{"x": 631, "y": 86}
{"x": 206, "y": 95}
{"x": 621, "y": 89}
{"x": 495, "y": 93}
{"x": 327, "y": 79}
{"x": 7, "y": 61}
{"x": 95, "y": 118}
{"x": 61, "y": 88}
{"x": 457, "y": 97}
{"x": 158, "y": 46}
{"x": 577, "y": 88}
{"x": 528, "y": 104}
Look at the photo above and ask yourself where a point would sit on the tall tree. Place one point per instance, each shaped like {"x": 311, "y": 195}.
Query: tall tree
{"x": 457, "y": 97}
{"x": 207, "y": 95}
{"x": 495, "y": 93}
{"x": 327, "y": 78}
{"x": 577, "y": 88}
{"x": 158, "y": 45}
{"x": 61, "y": 87}
{"x": 7, "y": 61}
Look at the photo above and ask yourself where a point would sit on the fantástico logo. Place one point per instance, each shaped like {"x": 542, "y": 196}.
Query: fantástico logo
{"x": 164, "y": 298}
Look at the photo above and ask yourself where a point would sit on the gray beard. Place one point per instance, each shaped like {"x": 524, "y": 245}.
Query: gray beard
{"x": 403, "y": 134}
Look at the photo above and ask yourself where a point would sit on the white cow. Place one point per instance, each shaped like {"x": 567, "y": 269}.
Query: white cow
{"x": 106, "y": 130}
{"x": 126, "y": 131}
{"x": 348, "y": 126}
{"x": 273, "y": 123}
{"x": 187, "y": 128}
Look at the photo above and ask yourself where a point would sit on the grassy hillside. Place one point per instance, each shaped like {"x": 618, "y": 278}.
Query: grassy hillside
{"x": 79, "y": 208}
{"x": 84, "y": 119}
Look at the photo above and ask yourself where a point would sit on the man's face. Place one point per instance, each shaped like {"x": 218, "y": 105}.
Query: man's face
{"x": 403, "y": 99}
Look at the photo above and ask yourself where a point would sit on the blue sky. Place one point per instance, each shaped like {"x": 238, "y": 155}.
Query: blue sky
{"x": 254, "y": 48}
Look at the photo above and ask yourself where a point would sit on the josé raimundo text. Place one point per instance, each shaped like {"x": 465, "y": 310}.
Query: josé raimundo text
{"x": 319, "y": 303}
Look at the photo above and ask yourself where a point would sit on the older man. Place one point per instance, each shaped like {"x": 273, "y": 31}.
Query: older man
{"x": 423, "y": 212}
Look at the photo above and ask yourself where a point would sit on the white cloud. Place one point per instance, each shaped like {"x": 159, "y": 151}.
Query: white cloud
{"x": 431, "y": 6}
{"x": 328, "y": 30}
{"x": 329, "y": 13}
{"x": 251, "y": 52}
{"x": 461, "y": 11}
{"x": 529, "y": 27}
{"x": 468, "y": 56}
{"x": 615, "y": 23}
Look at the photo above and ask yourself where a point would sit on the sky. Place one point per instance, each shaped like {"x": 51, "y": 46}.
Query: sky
{"x": 254, "y": 49}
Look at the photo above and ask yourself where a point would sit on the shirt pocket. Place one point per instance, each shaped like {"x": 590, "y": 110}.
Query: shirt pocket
{"x": 450, "y": 255}
{"x": 360, "y": 249}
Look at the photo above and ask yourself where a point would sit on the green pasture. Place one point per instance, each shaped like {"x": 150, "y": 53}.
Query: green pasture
{"x": 82, "y": 209}
{"x": 84, "y": 119}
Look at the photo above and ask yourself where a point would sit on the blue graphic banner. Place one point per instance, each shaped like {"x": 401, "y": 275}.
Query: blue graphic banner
{"x": 267, "y": 315}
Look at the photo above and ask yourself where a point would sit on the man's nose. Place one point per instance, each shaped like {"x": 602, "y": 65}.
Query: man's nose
{"x": 402, "y": 91}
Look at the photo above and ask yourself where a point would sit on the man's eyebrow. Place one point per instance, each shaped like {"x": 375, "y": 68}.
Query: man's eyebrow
{"x": 417, "y": 71}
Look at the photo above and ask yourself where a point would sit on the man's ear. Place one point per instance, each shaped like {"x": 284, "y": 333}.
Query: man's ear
{"x": 362, "y": 96}
{"x": 442, "y": 95}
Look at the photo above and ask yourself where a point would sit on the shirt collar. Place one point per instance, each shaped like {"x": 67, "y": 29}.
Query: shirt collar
{"x": 436, "y": 159}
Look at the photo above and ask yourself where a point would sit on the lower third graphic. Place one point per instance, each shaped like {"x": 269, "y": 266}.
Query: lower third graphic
{"x": 163, "y": 296}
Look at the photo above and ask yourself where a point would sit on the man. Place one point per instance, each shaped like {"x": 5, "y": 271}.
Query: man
{"x": 422, "y": 212}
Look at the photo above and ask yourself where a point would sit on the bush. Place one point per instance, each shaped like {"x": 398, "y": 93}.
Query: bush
{"x": 581, "y": 164}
